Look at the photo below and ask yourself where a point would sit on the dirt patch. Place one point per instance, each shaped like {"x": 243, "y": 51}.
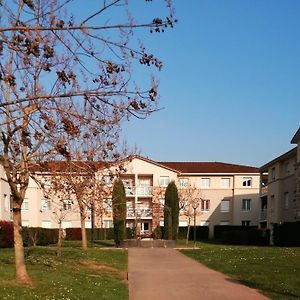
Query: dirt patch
{"x": 104, "y": 269}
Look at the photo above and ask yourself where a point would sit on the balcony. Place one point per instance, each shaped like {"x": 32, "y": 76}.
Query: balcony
{"x": 144, "y": 191}
{"x": 263, "y": 214}
{"x": 139, "y": 213}
{"x": 264, "y": 190}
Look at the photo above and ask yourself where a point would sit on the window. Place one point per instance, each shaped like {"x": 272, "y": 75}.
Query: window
{"x": 107, "y": 204}
{"x": 183, "y": 183}
{"x": 247, "y": 181}
{"x": 224, "y": 223}
{"x": 107, "y": 224}
{"x": 273, "y": 173}
{"x": 46, "y": 205}
{"x": 225, "y": 183}
{"x": 205, "y": 183}
{"x": 67, "y": 204}
{"x": 66, "y": 224}
{"x": 46, "y": 183}
{"x": 25, "y": 204}
{"x": 107, "y": 180}
{"x": 286, "y": 200}
{"x": 225, "y": 206}
{"x": 287, "y": 168}
{"x": 246, "y": 223}
{"x": 6, "y": 202}
{"x": 246, "y": 204}
{"x": 162, "y": 202}
{"x": 164, "y": 181}
{"x": 205, "y": 205}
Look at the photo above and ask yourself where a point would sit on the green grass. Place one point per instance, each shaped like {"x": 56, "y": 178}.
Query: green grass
{"x": 94, "y": 274}
{"x": 272, "y": 270}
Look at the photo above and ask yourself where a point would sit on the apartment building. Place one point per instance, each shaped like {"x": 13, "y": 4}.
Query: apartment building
{"x": 224, "y": 194}
{"x": 280, "y": 188}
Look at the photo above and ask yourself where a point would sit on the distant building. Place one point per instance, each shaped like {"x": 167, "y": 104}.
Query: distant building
{"x": 227, "y": 194}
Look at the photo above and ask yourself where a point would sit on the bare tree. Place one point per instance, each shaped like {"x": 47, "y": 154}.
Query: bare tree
{"x": 59, "y": 74}
{"x": 189, "y": 201}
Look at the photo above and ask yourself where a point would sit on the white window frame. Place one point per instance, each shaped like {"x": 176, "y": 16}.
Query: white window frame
{"x": 107, "y": 204}
{"x": 223, "y": 207}
{"x": 108, "y": 224}
{"x": 225, "y": 183}
{"x": 164, "y": 181}
{"x": 66, "y": 205}
{"x": 107, "y": 180}
{"x": 45, "y": 205}
{"x": 205, "y": 183}
{"x": 183, "y": 183}
{"x": 246, "y": 205}
{"x": 247, "y": 182}
{"x": 25, "y": 204}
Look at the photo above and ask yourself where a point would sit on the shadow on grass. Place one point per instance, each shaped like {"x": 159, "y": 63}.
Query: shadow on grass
{"x": 266, "y": 290}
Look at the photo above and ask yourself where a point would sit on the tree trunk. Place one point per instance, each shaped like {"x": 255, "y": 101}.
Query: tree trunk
{"x": 21, "y": 271}
{"x": 83, "y": 232}
{"x": 188, "y": 231}
{"x": 59, "y": 241}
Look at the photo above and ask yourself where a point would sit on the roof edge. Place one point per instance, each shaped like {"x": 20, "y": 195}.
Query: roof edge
{"x": 296, "y": 137}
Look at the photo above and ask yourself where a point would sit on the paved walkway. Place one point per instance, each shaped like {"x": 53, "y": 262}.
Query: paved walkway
{"x": 163, "y": 274}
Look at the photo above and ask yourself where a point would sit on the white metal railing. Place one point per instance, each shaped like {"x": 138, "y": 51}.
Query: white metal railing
{"x": 144, "y": 190}
{"x": 139, "y": 213}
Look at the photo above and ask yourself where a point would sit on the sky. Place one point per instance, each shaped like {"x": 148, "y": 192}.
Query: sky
{"x": 229, "y": 88}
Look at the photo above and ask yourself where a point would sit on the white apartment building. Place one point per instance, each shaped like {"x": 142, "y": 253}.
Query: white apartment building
{"x": 280, "y": 188}
{"x": 226, "y": 194}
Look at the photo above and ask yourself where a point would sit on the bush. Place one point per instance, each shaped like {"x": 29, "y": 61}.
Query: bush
{"x": 287, "y": 234}
{"x": 6, "y": 234}
{"x": 33, "y": 236}
{"x": 202, "y": 233}
{"x": 157, "y": 233}
{"x": 220, "y": 229}
{"x": 73, "y": 234}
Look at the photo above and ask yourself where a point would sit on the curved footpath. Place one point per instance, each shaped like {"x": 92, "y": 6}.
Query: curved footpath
{"x": 163, "y": 274}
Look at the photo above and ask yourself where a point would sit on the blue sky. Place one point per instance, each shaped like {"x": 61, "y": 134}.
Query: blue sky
{"x": 230, "y": 86}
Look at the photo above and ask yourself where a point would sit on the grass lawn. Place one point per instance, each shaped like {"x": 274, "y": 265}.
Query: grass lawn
{"x": 95, "y": 274}
{"x": 274, "y": 271}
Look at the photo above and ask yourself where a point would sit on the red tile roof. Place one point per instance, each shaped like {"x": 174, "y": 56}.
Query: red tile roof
{"x": 209, "y": 167}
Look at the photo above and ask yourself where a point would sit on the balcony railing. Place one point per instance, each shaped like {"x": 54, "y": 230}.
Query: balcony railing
{"x": 263, "y": 214}
{"x": 139, "y": 213}
{"x": 144, "y": 190}
{"x": 264, "y": 190}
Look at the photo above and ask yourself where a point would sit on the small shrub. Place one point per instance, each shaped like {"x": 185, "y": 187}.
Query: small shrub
{"x": 157, "y": 233}
{"x": 287, "y": 234}
{"x": 6, "y": 234}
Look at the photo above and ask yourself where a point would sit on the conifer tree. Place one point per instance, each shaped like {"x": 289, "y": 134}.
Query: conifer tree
{"x": 171, "y": 212}
{"x": 119, "y": 211}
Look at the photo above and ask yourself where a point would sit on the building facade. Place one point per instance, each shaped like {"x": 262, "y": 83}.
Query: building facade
{"x": 218, "y": 194}
{"x": 280, "y": 188}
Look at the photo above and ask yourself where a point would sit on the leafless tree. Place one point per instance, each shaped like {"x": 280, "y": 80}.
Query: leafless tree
{"x": 189, "y": 201}
{"x": 59, "y": 74}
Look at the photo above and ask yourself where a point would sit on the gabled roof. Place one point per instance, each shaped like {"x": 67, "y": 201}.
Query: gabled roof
{"x": 286, "y": 155}
{"x": 209, "y": 167}
{"x": 296, "y": 137}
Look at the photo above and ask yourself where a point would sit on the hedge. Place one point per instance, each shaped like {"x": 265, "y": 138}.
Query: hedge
{"x": 242, "y": 235}
{"x": 202, "y": 233}
{"x": 287, "y": 234}
{"x": 33, "y": 236}
{"x": 6, "y": 234}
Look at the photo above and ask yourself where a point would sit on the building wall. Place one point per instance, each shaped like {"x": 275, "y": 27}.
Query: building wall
{"x": 34, "y": 213}
{"x": 5, "y": 213}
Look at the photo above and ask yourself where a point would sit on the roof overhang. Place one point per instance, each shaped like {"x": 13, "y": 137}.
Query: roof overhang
{"x": 296, "y": 137}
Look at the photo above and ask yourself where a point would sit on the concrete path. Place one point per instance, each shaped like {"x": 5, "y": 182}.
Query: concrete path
{"x": 163, "y": 274}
